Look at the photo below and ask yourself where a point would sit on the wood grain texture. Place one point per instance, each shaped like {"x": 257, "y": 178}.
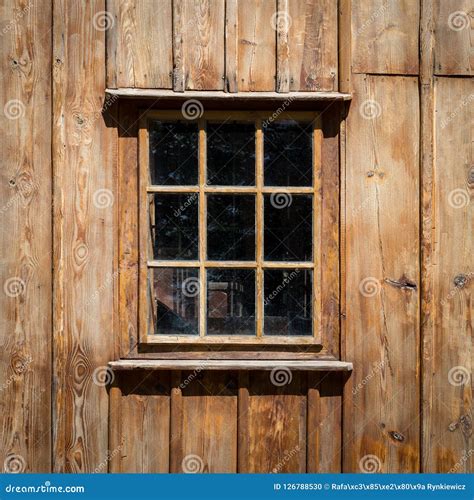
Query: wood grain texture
{"x": 25, "y": 241}
{"x": 275, "y": 423}
{"x": 454, "y": 37}
{"x": 139, "y": 43}
{"x": 381, "y": 399}
{"x": 385, "y": 36}
{"x": 257, "y": 45}
{"x": 144, "y": 415}
{"x": 203, "y": 47}
{"x": 83, "y": 177}
{"x": 312, "y": 45}
{"x": 448, "y": 357}
{"x": 231, "y": 45}
{"x": 204, "y": 423}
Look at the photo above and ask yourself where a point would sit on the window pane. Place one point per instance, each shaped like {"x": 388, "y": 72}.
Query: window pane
{"x": 231, "y": 154}
{"x": 288, "y": 154}
{"x": 173, "y": 153}
{"x": 287, "y": 302}
{"x": 231, "y": 227}
{"x": 288, "y": 227}
{"x": 174, "y": 225}
{"x": 175, "y": 301}
{"x": 231, "y": 302}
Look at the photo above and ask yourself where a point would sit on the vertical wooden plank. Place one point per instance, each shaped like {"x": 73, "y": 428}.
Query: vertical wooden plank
{"x": 204, "y": 44}
{"x": 145, "y": 422}
{"x": 282, "y": 22}
{"x": 128, "y": 227}
{"x": 260, "y": 223}
{"x": 257, "y": 45}
{"x": 208, "y": 431}
{"x": 385, "y": 36}
{"x": 139, "y": 43}
{"x": 202, "y": 228}
{"x": 114, "y": 461}
{"x": 448, "y": 362}
{"x": 318, "y": 256}
{"x": 231, "y": 45}
{"x": 176, "y": 422}
{"x": 243, "y": 423}
{"x": 25, "y": 242}
{"x": 381, "y": 414}
{"x": 312, "y": 44}
{"x": 179, "y": 16}
{"x": 454, "y": 37}
{"x": 276, "y": 422}
{"x": 345, "y": 45}
{"x": 84, "y": 198}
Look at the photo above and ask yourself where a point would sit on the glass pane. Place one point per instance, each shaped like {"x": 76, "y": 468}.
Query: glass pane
{"x": 231, "y": 154}
{"x": 175, "y": 301}
{"x": 288, "y": 227}
{"x": 173, "y": 153}
{"x": 288, "y": 154}
{"x": 174, "y": 225}
{"x": 231, "y": 302}
{"x": 231, "y": 227}
{"x": 287, "y": 302}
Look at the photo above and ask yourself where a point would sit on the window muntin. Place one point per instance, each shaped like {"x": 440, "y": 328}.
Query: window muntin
{"x": 236, "y": 272}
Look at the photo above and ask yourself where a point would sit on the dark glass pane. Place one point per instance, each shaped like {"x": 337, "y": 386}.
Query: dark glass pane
{"x": 231, "y": 302}
{"x": 287, "y": 302}
{"x": 230, "y": 227}
{"x": 288, "y": 154}
{"x": 173, "y": 153}
{"x": 288, "y": 227}
{"x": 175, "y": 301}
{"x": 174, "y": 225}
{"x": 231, "y": 154}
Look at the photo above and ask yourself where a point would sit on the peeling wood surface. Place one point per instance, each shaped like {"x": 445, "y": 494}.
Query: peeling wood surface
{"x": 25, "y": 242}
{"x": 382, "y": 322}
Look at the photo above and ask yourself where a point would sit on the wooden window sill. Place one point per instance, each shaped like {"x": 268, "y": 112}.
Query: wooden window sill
{"x": 228, "y": 96}
{"x": 213, "y": 364}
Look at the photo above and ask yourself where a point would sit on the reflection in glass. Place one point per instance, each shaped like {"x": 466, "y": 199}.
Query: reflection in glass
{"x": 287, "y": 302}
{"x": 231, "y": 227}
{"x": 288, "y": 154}
{"x": 231, "y": 154}
{"x": 173, "y": 153}
{"x": 288, "y": 227}
{"x": 231, "y": 302}
{"x": 175, "y": 301}
{"x": 174, "y": 226}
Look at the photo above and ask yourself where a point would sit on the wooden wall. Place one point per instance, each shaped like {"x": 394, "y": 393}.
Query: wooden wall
{"x": 407, "y": 178}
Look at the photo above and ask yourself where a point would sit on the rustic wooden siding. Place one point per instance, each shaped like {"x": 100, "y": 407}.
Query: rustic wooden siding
{"x": 25, "y": 248}
{"x": 404, "y": 230}
{"x": 84, "y": 279}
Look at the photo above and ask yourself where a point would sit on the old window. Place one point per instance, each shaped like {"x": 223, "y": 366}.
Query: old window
{"x": 230, "y": 213}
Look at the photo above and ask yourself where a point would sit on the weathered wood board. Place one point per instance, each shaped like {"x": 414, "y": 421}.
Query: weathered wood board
{"x": 381, "y": 399}
{"x": 25, "y": 241}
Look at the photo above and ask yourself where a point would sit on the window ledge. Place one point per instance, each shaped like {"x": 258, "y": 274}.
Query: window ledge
{"x": 213, "y": 364}
{"x": 227, "y": 96}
